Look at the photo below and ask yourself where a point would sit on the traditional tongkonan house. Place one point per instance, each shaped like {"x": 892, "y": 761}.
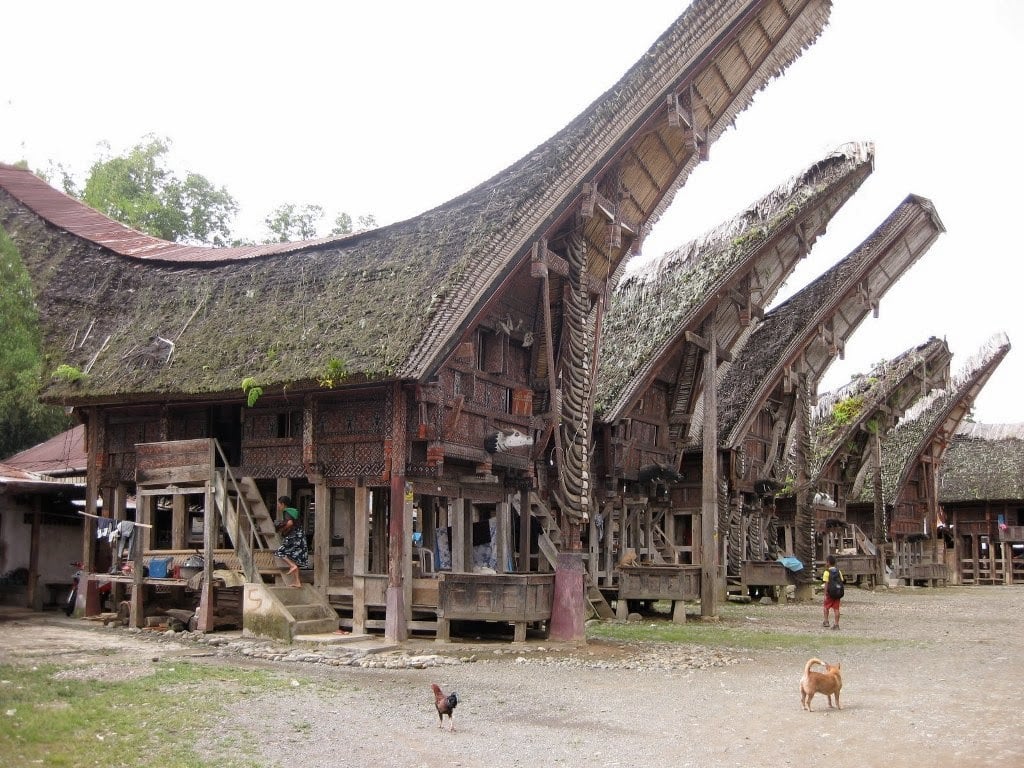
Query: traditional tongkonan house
{"x": 981, "y": 495}
{"x": 764, "y": 406}
{"x": 846, "y": 433}
{"x": 418, "y": 390}
{"x": 649, "y": 401}
{"x": 911, "y": 454}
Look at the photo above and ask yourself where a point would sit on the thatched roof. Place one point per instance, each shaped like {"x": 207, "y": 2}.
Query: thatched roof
{"x": 845, "y": 417}
{"x": 936, "y": 416}
{"x": 149, "y": 319}
{"x": 985, "y": 462}
{"x": 650, "y": 310}
{"x": 808, "y": 331}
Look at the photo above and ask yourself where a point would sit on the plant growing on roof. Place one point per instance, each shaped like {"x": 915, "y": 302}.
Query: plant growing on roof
{"x": 251, "y": 390}
{"x": 334, "y": 372}
{"x": 843, "y": 413}
{"x": 68, "y": 373}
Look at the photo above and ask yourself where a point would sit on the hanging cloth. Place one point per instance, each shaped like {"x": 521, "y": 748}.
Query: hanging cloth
{"x": 103, "y": 527}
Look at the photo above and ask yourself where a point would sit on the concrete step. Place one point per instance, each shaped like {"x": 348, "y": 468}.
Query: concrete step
{"x": 314, "y": 626}
{"x": 311, "y": 611}
{"x": 290, "y": 596}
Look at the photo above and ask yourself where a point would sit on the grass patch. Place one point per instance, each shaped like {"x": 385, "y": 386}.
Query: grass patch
{"x": 152, "y": 721}
{"x": 717, "y": 636}
{"x": 732, "y": 630}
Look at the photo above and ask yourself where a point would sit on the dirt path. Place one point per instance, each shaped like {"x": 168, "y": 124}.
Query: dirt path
{"x": 935, "y": 681}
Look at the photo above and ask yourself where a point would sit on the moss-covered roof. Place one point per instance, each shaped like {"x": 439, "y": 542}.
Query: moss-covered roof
{"x": 651, "y": 309}
{"x": 388, "y": 303}
{"x": 863, "y": 405}
{"x": 937, "y": 415}
{"x": 833, "y": 301}
{"x": 984, "y": 462}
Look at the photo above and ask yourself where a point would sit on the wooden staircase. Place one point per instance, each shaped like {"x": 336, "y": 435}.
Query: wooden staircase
{"x": 549, "y": 541}
{"x": 247, "y": 521}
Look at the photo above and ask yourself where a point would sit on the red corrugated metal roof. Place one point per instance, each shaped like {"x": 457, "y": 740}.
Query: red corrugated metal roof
{"x": 62, "y": 454}
{"x": 7, "y": 472}
{"x": 69, "y": 214}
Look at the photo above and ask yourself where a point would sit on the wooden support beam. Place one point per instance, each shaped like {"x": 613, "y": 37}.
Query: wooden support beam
{"x": 396, "y": 622}
{"x": 321, "y": 536}
{"x": 709, "y": 487}
{"x": 524, "y": 531}
{"x": 504, "y": 534}
{"x": 205, "y": 612}
{"x": 543, "y": 261}
{"x": 360, "y": 549}
{"x": 459, "y": 545}
{"x": 722, "y": 355}
{"x": 35, "y": 588}
{"x": 593, "y": 201}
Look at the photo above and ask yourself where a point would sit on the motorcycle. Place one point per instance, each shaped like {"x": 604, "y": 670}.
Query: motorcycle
{"x": 76, "y": 578}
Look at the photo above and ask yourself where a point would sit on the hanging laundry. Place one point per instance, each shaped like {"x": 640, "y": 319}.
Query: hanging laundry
{"x": 104, "y": 525}
{"x": 126, "y": 533}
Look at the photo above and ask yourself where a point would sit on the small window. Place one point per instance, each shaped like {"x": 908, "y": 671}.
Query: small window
{"x": 289, "y": 424}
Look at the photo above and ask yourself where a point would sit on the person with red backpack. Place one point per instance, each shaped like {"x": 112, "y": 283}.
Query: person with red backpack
{"x": 835, "y": 587}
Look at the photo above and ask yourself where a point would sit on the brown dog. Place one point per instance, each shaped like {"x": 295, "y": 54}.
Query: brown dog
{"x": 829, "y": 682}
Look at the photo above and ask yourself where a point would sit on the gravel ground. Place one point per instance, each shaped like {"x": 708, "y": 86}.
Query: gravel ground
{"x": 938, "y": 686}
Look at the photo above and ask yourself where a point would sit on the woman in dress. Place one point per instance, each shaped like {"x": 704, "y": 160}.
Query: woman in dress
{"x": 293, "y": 549}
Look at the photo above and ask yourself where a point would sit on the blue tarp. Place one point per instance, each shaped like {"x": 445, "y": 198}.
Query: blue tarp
{"x": 791, "y": 564}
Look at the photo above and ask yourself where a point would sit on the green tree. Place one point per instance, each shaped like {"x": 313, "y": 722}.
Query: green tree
{"x": 24, "y": 421}
{"x": 343, "y": 224}
{"x": 290, "y": 222}
{"x": 139, "y": 190}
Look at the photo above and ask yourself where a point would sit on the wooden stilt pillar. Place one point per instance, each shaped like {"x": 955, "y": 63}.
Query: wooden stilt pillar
{"x": 567, "y": 615}
{"x": 204, "y": 615}
{"x": 459, "y": 523}
{"x": 504, "y": 533}
{"x": 179, "y": 521}
{"x": 321, "y": 559}
{"x": 396, "y": 623}
{"x": 524, "y": 532}
{"x": 143, "y": 514}
{"x": 35, "y": 591}
{"x": 359, "y": 546}
{"x": 709, "y": 482}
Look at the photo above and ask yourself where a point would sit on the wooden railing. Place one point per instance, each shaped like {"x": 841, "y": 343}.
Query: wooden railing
{"x": 238, "y": 520}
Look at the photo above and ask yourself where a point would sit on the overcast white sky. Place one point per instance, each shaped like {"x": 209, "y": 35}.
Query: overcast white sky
{"x": 394, "y": 107}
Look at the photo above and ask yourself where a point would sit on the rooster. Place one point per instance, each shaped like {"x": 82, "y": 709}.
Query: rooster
{"x": 445, "y": 706}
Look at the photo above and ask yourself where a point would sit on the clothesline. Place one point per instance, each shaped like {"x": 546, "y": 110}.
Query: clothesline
{"x": 98, "y": 517}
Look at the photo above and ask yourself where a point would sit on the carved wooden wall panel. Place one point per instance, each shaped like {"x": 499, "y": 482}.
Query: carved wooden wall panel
{"x": 122, "y": 434}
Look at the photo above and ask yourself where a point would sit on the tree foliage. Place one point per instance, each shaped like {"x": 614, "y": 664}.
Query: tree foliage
{"x": 343, "y": 224}
{"x": 24, "y": 421}
{"x": 290, "y": 222}
{"x": 139, "y": 190}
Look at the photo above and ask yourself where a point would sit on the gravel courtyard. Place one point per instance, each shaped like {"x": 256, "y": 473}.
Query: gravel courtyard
{"x": 930, "y": 677}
